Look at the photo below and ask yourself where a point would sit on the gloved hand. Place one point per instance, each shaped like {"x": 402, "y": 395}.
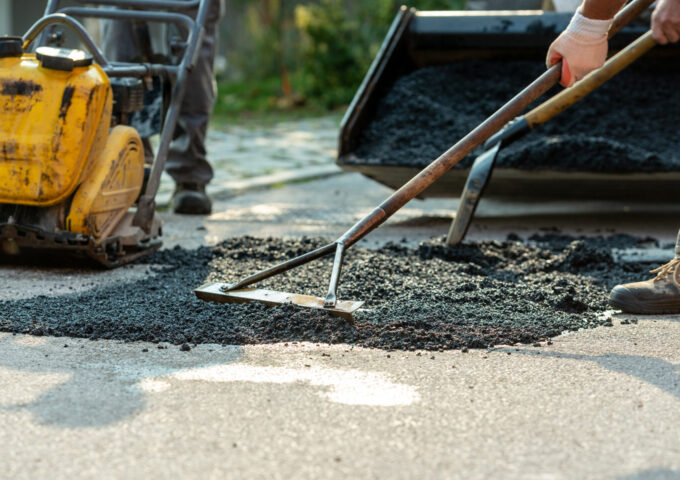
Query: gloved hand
{"x": 582, "y": 47}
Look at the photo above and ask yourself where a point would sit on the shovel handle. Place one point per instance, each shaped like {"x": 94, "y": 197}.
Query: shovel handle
{"x": 628, "y": 14}
{"x": 472, "y": 140}
{"x": 568, "y": 97}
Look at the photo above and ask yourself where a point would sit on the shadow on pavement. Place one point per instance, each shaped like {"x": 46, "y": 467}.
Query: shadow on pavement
{"x": 636, "y": 318}
{"x": 103, "y": 387}
{"x": 654, "y": 371}
{"x": 654, "y": 474}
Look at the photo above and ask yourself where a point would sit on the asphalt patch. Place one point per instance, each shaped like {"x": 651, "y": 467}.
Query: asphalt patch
{"x": 432, "y": 297}
{"x": 625, "y": 126}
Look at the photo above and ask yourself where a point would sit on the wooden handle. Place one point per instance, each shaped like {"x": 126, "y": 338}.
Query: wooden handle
{"x": 472, "y": 140}
{"x": 628, "y": 14}
{"x": 568, "y": 97}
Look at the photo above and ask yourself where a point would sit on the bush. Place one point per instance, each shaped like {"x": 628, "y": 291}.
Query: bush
{"x": 339, "y": 43}
{"x": 334, "y": 53}
{"x": 321, "y": 48}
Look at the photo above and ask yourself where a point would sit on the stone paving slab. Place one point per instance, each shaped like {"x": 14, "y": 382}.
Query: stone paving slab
{"x": 247, "y": 158}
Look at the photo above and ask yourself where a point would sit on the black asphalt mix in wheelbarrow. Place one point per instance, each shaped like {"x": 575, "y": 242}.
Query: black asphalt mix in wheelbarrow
{"x": 427, "y": 111}
{"x": 432, "y": 297}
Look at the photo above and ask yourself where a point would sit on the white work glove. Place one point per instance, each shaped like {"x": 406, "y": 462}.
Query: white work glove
{"x": 582, "y": 47}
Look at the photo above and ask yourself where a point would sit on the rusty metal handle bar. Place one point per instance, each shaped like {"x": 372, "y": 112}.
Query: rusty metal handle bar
{"x": 111, "y": 69}
{"x": 141, "y": 70}
{"x": 146, "y": 204}
{"x": 146, "y": 4}
{"x": 434, "y": 171}
{"x": 75, "y": 25}
{"x": 113, "y": 14}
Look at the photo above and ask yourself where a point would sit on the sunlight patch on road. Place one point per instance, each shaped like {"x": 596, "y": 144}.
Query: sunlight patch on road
{"x": 349, "y": 387}
{"x": 150, "y": 385}
{"x": 259, "y": 212}
{"x": 21, "y": 387}
{"x": 31, "y": 341}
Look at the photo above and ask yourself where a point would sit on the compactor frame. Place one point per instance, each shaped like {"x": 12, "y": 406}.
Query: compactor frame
{"x": 139, "y": 232}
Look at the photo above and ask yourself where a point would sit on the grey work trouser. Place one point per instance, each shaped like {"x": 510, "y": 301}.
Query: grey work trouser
{"x": 187, "y": 162}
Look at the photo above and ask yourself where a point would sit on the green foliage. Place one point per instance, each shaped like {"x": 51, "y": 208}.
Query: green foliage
{"x": 334, "y": 52}
{"x": 257, "y": 100}
{"x": 271, "y": 39}
{"x": 340, "y": 42}
{"x": 238, "y": 96}
{"x": 318, "y": 48}
{"x": 438, "y": 4}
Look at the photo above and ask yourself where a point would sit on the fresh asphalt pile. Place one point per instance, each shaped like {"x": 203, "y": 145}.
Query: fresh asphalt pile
{"x": 432, "y": 297}
{"x": 629, "y": 125}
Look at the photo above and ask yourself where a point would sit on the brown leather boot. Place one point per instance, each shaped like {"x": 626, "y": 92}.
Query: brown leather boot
{"x": 656, "y": 296}
{"x": 191, "y": 199}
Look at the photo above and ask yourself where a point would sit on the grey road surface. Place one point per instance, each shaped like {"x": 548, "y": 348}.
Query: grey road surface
{"x": 601, "y": 404}
{"x": 596, "y": 404}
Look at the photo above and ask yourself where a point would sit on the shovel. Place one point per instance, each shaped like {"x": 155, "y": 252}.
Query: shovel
{"x": 239, "y": 292}
{"x": 480, "y": 173}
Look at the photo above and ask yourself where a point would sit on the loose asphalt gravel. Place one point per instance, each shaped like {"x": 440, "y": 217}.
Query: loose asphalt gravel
{"x": 625, "y": 126}
{"x": 433, "y": 297}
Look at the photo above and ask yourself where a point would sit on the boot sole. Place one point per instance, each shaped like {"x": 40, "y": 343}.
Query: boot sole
{"x": 623, "y": 300}
{"x": 191, "y": 211}
{"x": 191, "y": 205}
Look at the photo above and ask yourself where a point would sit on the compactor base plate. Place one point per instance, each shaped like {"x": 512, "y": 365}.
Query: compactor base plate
{"x": 22, "y": 245}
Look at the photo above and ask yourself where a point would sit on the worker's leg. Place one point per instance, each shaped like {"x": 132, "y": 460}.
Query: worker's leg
{"x": 187, "y": 161}
{"x": 133, "y": 41}
{"x": 121, "y": 43}
{"x": 656, "y": 296}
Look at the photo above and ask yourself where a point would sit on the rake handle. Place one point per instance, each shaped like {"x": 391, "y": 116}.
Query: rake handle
{"x": 433, "y": 172}
{"x": 475, "y": 138}
{"x": 283, "y": 267}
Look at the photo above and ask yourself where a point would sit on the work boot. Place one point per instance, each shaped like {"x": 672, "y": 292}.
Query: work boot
{"x": 656, "y": 296}
{"x": 191, "y": 199}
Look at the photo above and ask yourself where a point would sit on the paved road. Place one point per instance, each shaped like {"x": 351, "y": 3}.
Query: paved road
{"x": 597, "y": 404}
{"x": 603, "y": 403}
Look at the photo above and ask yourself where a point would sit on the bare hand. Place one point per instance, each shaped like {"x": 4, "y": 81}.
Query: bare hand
{"x": 666, "y": 21}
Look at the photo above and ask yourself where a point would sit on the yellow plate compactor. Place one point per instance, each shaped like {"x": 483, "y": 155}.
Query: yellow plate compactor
{"x": 72, "y": 170}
